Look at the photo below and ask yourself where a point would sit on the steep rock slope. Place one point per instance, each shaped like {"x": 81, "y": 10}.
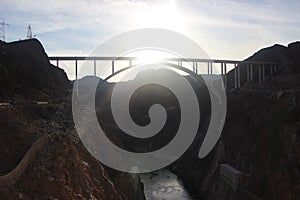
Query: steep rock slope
{"x": 58, "y": 167}
{"x": 26, "y": 71}
{"x": 260, "y": 137}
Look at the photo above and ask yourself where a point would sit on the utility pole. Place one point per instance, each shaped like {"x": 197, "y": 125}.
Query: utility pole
{"x": 29, "y": 32}
{"x": 2, "y": 30}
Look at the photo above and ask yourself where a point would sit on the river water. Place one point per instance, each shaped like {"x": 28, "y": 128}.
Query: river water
{"x": 164, "y": 185}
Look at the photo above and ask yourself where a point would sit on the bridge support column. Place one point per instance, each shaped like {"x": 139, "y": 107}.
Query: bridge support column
{"x": 235, "y": 76}
{"x": 248, "y": 74}
{"x": 209, "y": 68}
{"x": 180, "y": 63}
{"x": 263, "y": 72}
{"x": 130, "y": 63}
{"x": 259, "y": 73}
{"x": 222, "y": 72}
{"x": 195, "y": 67}
{"x": 76, "y": 76}
{"x": 95, "y": 72}
{"x": 225, "y": 75}
{"x": 239, "y": 76}
{"x": 251, "y": 72}
{"x": 112, "y": 67}
{"x": 271, "y": 69}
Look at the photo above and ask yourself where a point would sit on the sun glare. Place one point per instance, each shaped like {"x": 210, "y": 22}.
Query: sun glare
{"x": 145, "y": 59}
{"x": 165, "y": 15}
{"x": 150, "y": 56}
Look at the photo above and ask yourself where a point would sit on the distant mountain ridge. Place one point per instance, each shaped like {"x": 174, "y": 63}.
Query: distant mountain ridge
{"x": 287, "y": 57}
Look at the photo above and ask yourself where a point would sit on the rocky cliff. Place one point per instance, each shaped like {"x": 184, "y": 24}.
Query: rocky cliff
{"x": 288, "y": 57}
{"x": 42, "y": 156}
{"x": 260, "y": 137}
{"x": 26, "y": 71}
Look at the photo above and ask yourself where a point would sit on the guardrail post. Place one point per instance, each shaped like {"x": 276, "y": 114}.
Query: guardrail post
{"x": 57, "y": 62}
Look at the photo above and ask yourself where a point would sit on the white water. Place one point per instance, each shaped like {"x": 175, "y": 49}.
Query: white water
{"x": 164, "y": 185}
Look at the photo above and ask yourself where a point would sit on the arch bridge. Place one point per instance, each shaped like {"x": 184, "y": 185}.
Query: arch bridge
{"x": 242, "y": 71}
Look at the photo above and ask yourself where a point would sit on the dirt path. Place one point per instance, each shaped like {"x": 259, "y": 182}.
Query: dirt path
{"x": 12, "y": 177}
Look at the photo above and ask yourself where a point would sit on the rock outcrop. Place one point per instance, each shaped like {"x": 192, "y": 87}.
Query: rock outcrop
{"x": 42, "y": 156}
{"x": 26, "y": 71}
{"x": 260, "y": 137}
{"x": 287, "y": 57}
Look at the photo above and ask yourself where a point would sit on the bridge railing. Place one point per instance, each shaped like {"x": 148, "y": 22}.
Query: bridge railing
{"x": 240, "y": 73}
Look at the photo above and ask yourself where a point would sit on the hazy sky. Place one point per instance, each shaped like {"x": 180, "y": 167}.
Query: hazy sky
{"x": 226, "y": 29}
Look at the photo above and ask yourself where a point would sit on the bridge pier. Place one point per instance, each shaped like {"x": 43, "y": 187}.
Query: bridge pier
{"x": 259, "y": 73}
{"x": 113, "y": 67}
{"x": 239, "y": 76}
{"x": 95, "y": 68}
{"x": 195, "y": 67}
{"x": 225, "y": 75}
{"x": 235, "y": 76}
{"x": 76, "y": 76}
{"x": 263, "y": 72}
{"x": 271, "y": 69}
{"x": 209, "y": 68}
{"x": 248, "y": 74}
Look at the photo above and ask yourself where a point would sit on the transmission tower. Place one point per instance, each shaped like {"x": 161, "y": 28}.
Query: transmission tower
{"x": 29, "y": 32}
{"x": 2, "y": 30}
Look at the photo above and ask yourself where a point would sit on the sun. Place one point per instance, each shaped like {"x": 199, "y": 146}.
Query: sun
{"x": 164, "y": 15}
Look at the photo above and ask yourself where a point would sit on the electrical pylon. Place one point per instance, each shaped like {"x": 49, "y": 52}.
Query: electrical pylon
{"x": 2, "y": 30}
{"x": 29, "y": 32}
